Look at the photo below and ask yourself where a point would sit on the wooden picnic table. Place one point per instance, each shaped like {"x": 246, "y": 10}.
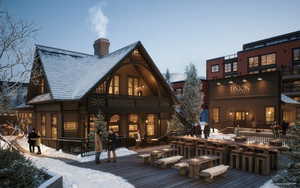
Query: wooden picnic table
{"x": 200, "y": 163}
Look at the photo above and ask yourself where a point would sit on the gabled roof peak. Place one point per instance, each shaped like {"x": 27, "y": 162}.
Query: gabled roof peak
{"x": 71, "y": 75}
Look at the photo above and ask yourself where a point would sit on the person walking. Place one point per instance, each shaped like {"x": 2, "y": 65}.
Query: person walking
{"x": 138, "y": 139}
{"x": 98, "y": 146}
{"x": 111, "y": 147}
{"x": 38, "y": 141}
{"x": 31, "y": 140}
{"x": 206, "y": 131}
{"x": 284, "y": 127}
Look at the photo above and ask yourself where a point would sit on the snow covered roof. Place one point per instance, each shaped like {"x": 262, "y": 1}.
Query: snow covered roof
{"x": 40, "y": 98}
{"x": 23, "y": 105}
{"x": 288, "y": 100}
{"x": 179, "y": 77}
{"x": 71, "y": 75}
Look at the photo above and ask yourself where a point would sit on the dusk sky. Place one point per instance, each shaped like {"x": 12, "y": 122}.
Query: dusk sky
{"x": 175, "y": 32}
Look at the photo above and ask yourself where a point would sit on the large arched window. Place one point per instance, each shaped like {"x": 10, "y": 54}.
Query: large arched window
{"x": 114, "y": 123}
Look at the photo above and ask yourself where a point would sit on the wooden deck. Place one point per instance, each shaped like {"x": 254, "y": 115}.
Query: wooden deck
{"x": 144, "y": 176}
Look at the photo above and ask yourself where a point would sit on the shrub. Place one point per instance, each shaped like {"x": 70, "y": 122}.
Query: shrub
{"x": 17, "y": 171}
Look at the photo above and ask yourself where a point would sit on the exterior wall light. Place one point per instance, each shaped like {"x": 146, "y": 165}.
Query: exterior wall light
{"x": 259, "y": 79}
{"x": 218, "y": 83}
{"x": 230, "y": 113}
{"x": 247, "y": 113}
{"x": 244, "y": 80}
{"x": 230, "y": 82}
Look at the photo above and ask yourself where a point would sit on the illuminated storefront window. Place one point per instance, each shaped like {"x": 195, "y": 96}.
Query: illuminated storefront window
{"x": 150, "y": 123}
{"x": 92, "y": 125}
{"x": 70, "y": 126}
{"x": 114, "y": 123}
{"x": 133, "y": 125}
{"x": 216, "y": 115}
{"x": 54, "y": 125}
{"x": 270, "y": 114}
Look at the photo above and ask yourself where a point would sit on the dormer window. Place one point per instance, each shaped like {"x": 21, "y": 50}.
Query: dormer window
{"x": 136, "y": 53}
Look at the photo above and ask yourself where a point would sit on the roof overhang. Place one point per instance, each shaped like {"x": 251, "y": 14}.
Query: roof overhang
{"x": 288, "y": 100}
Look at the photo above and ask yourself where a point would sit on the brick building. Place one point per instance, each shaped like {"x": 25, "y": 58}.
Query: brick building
{"x": 279, "y": 54}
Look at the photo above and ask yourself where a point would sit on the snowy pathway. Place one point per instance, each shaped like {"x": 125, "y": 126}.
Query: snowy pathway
{"x": 74, "y": 176}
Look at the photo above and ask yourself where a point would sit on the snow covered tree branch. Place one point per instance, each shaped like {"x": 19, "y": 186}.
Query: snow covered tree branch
{"x": 16, "y": 55}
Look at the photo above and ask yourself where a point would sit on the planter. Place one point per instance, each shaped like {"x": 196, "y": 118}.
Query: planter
{"x": 56, "y": 181}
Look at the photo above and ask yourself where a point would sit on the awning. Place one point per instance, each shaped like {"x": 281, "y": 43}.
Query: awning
{"x": 288, "y": 100}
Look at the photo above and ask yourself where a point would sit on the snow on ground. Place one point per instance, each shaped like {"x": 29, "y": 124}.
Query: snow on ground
{"x": 76, "y": 177}
{"x": 51, "y": 152}
{"x": 269, "y": 184}
{"x": 217, "y": 135}
{"x": 3, "y": 145}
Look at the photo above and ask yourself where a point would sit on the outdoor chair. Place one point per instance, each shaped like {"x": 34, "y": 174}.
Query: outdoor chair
{"x": 210, "y": 173}
{"x": 168, "y": 161}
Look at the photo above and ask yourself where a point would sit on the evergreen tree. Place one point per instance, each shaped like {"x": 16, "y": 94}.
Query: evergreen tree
{"x": 101, "y": 125}
{"x": 168, "y": 76}
{"x": 290, "y": 177}
{"x": 191, "y": 100}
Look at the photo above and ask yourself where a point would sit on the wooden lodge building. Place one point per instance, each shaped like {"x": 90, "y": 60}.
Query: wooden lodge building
{"x": 71, "y": 88}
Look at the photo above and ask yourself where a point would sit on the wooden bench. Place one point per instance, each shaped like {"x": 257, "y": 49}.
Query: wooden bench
{"x": 210, "y": 173}
{"x": 168, "y": 161}
{"x": 145, "y": 157}
{"x": 183, "y": 168}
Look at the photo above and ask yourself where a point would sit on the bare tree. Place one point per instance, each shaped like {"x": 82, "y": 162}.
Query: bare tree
{"x": 16, "y": 55}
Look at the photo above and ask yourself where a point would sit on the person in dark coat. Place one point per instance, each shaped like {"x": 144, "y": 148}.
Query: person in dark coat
{"x": 111, "y": 146}
{"x": 284, "y": 127}
{"x": 206, "y": 131}
{"x": 31, "y": 140}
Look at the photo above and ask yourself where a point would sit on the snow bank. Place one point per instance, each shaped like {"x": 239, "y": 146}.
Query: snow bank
{"x": 218, "y": 135}
{"x": 3, "y": 145}
{"x": 76, "y": 177}
{"x": 51, "y": 152}
{"x": 119, "y": 152}
{"x": 269, "y": 184}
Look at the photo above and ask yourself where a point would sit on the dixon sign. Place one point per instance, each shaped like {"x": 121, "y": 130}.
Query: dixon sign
{"x": 239, "y": 89}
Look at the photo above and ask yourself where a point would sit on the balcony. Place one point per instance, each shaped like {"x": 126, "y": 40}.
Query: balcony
{"x": 291, "y": 73}
{"x": 291, "y": 89}
{"x": 133, "y": 104}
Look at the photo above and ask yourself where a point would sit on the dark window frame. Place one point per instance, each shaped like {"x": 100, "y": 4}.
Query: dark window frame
{"x": 212, "y": 67}
{"x": 293, "y": 54}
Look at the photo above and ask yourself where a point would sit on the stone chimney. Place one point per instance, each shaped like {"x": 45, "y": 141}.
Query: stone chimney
{"x": 101, "y": 47}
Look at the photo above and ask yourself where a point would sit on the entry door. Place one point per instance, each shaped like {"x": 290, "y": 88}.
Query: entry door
{"x": 150, "y": 125}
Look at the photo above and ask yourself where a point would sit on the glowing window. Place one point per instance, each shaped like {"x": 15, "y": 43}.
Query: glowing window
{"x": 216, "y": 115}
{"x": 270, "y": 114}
